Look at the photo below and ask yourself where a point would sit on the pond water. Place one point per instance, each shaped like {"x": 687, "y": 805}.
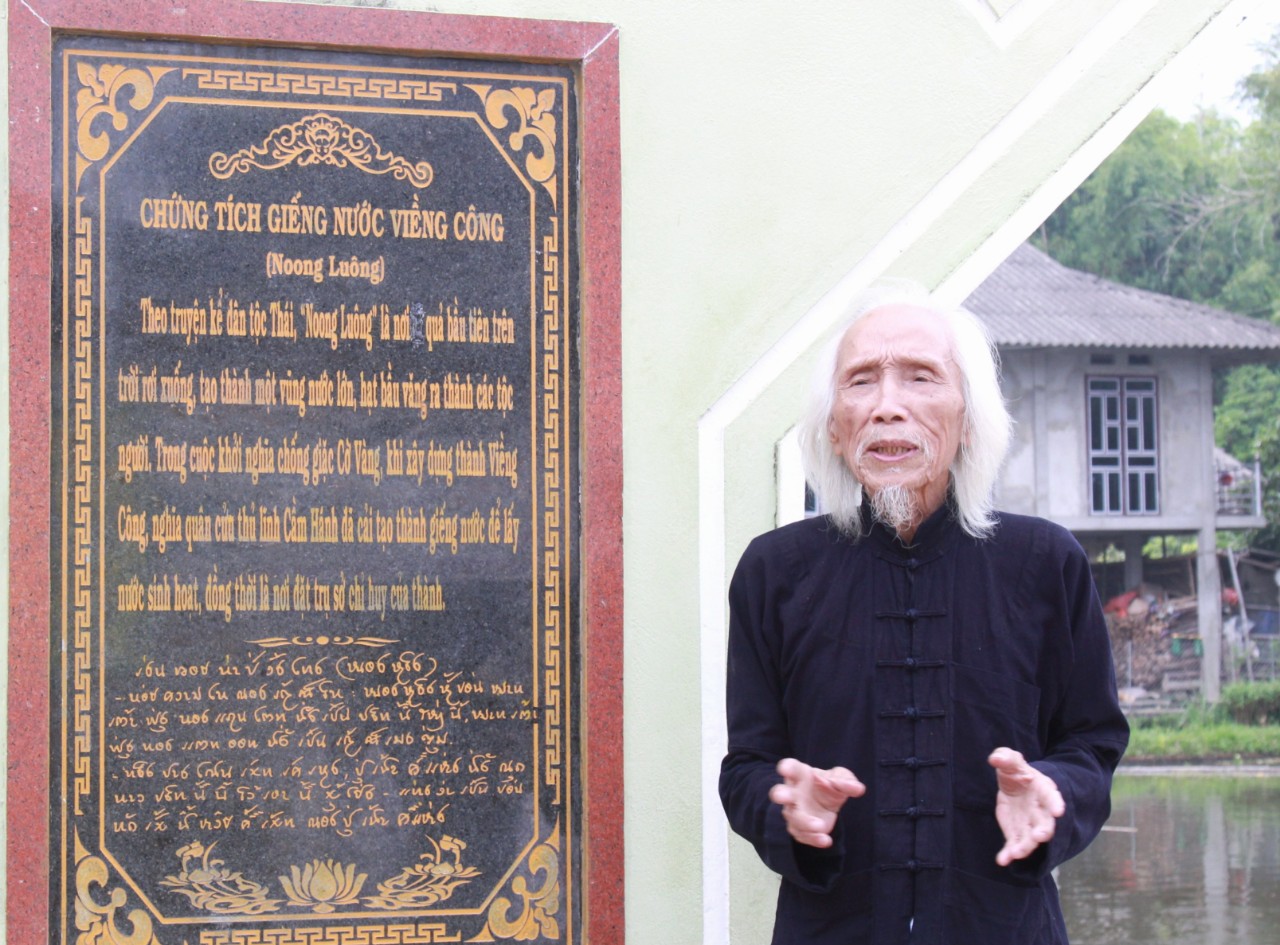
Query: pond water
{"x": 1189, "y": 859}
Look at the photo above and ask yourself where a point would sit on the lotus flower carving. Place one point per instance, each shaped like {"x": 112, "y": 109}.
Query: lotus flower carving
{"x": 323, "y": 885}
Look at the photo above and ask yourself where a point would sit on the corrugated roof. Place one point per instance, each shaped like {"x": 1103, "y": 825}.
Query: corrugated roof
{"x": 1032, "y": 301}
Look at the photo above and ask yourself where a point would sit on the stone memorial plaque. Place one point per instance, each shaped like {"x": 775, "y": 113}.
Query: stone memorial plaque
{"x": 314, "y": 529}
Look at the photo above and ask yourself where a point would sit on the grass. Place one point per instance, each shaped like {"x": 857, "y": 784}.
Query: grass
{"x": 1215, "y": 742}
{"x": 1201, "y": 734}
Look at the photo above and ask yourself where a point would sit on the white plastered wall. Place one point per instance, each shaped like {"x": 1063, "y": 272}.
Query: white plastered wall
{"x": 777, "y": 157}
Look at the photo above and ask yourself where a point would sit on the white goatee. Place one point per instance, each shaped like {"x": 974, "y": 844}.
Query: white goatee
{"x": 895, "y": 507}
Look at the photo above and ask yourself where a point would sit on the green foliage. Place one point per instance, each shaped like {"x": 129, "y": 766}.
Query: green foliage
{"x": 1246, "y": 420}
{"x": 1262, "y": 88}
{"x": 1247, "y": 424}
{"x": 1243, "y": 726}
{"x": 1169, "y": 546}
{"x": 1223, "y": 741}
{"x": 1193, "y": 210}
{"x": 1125, "y": 222}
{"x": 1196, "y": 714}
{"x": 1255, "y": 703}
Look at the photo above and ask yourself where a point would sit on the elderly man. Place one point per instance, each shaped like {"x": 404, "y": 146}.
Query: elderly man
{"x": 921, "y": 701}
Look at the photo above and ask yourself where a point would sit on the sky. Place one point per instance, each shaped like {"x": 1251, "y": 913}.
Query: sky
{"x": 1216, "y": 62}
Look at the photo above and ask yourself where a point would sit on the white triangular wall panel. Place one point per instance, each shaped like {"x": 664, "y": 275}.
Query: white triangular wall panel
{"x": 1003, "y": 20}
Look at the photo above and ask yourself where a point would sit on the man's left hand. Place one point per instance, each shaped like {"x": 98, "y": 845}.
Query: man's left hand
{"x": 1028, "y": 805}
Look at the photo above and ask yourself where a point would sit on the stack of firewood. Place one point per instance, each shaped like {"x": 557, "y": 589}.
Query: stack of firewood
{"x": 1152, "y": 636}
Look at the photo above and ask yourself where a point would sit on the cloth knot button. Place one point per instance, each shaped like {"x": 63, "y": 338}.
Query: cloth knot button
{"x": 911, "y": 662}
{"x": 913, "y": 812}
{"x": 912, "y": 712}
{"x": 913, "y": 763}
{"x": 913, "y": 563}
{"x": 912, "y": 613}
{"x": 913, "y": 865}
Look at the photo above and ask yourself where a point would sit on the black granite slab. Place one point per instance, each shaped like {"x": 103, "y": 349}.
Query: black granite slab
{"x": 315, "y": 433}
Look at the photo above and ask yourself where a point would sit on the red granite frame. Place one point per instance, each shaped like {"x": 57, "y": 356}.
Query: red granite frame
{"x": 592, "y": 48}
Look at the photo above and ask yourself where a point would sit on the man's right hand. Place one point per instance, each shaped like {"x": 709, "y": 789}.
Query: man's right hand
{"x": 811, "y": 797}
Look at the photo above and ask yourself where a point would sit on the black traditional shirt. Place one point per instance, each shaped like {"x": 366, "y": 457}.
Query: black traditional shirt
{"x": 909, "y": 665}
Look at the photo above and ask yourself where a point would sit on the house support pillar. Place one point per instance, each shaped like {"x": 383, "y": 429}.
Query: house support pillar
{"x": 1209, "y": 605}
{"x": 1133, "y": 542}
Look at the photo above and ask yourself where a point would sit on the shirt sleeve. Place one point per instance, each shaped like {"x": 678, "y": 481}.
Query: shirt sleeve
{"x": 1086, "y": 732}
{"x": 758, "y": 735}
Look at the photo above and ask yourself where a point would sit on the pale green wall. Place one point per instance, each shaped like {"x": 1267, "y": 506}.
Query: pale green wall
{"x": 768, "y": 151}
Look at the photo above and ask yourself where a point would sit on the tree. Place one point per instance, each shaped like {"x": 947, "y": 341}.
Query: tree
{"x": 1246, "y": 424}
{"x": 1183, "y": 209}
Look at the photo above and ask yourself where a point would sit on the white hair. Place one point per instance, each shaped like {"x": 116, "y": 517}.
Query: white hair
{"x": 987, "y": 423}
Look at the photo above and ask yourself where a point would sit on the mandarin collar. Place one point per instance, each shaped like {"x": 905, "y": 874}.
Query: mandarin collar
{"x": 934, "y": 532}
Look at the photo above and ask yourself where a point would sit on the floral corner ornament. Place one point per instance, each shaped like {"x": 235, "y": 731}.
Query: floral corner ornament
{"x": 535, "y": 119}
{"x": 100, "y": 91}
{"x": 534, "y": 916}
{"x": 99, "y": 923}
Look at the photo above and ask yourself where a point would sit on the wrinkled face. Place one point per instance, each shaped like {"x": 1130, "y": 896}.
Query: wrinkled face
{"x": 898, "y": 417}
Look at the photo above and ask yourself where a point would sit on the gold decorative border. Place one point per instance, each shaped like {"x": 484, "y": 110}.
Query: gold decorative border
{"x": 393, "y": 933}
{"x": 288, "y": 83}
{"x": 553, "y": 480}
{"x": 100, "y": 96}
{"x": 81, "y": 344}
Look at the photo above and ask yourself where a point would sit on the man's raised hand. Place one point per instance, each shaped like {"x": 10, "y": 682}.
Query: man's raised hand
{"x": 1028, "y": 805}
{"x": 811, "y": 797}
